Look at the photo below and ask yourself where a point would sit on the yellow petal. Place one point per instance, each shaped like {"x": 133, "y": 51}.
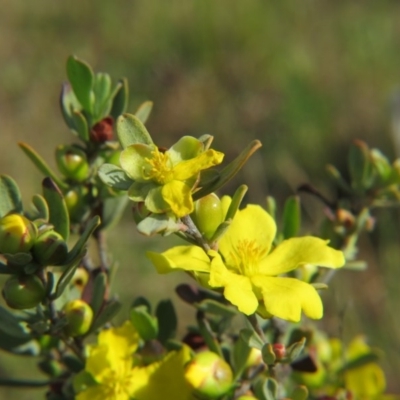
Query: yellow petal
{"x": 186, "y": 169}
{"x": 287, "y": 297}
{"x": 98, "y": 363}
{"x": 188, "y": 258}
{"x": 123, "y": 340}
{"x": 164, "y": 379}
{"x": 252, "y": 224}
{"x": 133, "y": 160}
{"x": 294, "y": 252}
{"x": 365, "y": 382}
{"x": 178, "y": 195}
{"x": 237, "y": 288}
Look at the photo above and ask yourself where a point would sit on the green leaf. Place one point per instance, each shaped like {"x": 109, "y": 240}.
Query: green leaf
{"x": 271, "y": 206}
{"x": 144, "y": 110}
{"x": 268, "y": 354}
{"x": 240, "y": 354}
{"x": 18, "y": 259}
{"x": 99, "y": 292}
{"x": 112, "y": 211}
{"x": 58, "y": 211}
{"x": 217, "y": 308}
{"x": 80, "y": 126}
{"x": 145, "y": 324}
{"x": 295, "y": 349}
{"x": 360, "y": 361}
{"x": 158, "y": 223}
{"x": 131, "y": 130}
{"x": 102, "y": 92}
{"x": 381, "y": 164}
{"x": 291, "y": 217}
{"x": 108, "y": 312}
{"x": 68, "y": 104}
{"x": 18, "y": 345}
{"x": 67, "y": 276}
{"x": 266, "y": 389}
{"x": 41, "y": 165}
{"x": 81, "y": 243}
{"x": 222, "y": 228}
{"x": 41, "y": 206}
{"x": 81, "y": 78}
{"x": 336, "y": 177}
{"x": 167, "y": 320}
{"x": 229, "y": 171}
{"x": 114, "y": 177}
{"x": 141, "y": 301}
{"x": 120, "y": 98}
{"x": 300, "y": 393}
{"x": 10, "y": 196}
{"x": 236, "y": 201}
{"x": 360, "y": 164}
{"x": 251, "y": 338}
{"x": 10, "y": 325}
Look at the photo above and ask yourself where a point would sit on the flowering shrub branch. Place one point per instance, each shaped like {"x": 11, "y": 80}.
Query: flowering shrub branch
{"x": 60, "y": 307}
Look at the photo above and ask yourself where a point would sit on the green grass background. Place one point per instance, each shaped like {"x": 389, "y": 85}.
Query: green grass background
{"x": 303, "y": 77}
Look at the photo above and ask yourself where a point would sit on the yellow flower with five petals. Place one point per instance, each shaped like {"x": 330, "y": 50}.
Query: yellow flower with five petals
{"x": 248, "y": 269}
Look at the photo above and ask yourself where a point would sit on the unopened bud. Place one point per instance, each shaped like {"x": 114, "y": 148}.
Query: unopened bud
{"x": 72, "y": 163}
{"x": 22, "y": 292}
{"x": 50, "y": 248}
{"x": 17, "y": 234}
{"x": 279, "y": 350}
{"x": 79, "y": 317}
{"x": 209, "y": 375}
{"x": 208, "y": 214}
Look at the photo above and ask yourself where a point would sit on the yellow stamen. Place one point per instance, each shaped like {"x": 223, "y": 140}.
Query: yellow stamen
{"x": 161, "y": 168}
{"x": 247, "y": 256}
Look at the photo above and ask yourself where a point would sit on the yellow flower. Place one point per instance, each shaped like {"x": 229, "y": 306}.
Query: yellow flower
{"x": 366, "y": 381}
{"x": 165, "y": 180}
{"x": 109, "y": 374}
{"x": 247, "y": 268}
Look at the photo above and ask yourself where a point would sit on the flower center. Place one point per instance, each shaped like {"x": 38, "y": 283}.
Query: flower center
{"x": 118, "y": 384}
{"x": 247, "y": 256}
{"x": 159, "y": 168}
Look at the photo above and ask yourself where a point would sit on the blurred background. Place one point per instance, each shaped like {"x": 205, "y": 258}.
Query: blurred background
{"x": 305, "y": 78}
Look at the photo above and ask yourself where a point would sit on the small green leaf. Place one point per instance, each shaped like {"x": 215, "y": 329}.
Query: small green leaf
{"x": 319, "y": 286}
{"x": 131, "y": 130}
{"x": 229, "y": 171}
{"x": 18, "y": 259}
{"x": 300, "y": 393}
{"x": 336, "y": 177}
{"x": 360, "y": 361}
{"x": 67, "y": 276}
{"x": 240, "y": 354}
{"x": 58, "y": 211}
{"x": 222, "y": 228}
{"x": 236, "y": 201}
{"x": 112, "y": 211}
{"x": 81, "y": 77}
{"x": 167, "y": 320}
{"x": 73, "y": 363}
{"x": 360, "y": 164}
{"x": 41, "y": 165}
{"x": 295, "y": 349}
{"x": 18, "y": 345}
{"x": 145, "y": 324}
{"x": 381, "y": 164}
{"x": 99, "y": 291}
{"x": 271, "y": 206}
{"x": 144, "y": 110}
{"x": 291, "y": 217}
{"x": 108, "y": 312}
{"x": 80, "y": 125}
{"x": 268, "y": 354}
{"x": 102, "y": 92}
{"x": 158, "y": 223}
{"x": 81, "y": 243}
{"x": 266, "y": 389}
{"x": 11, "y": 326}
{"x": 68, "y": 104}
{"x": 120, "y": 98}
{"x": 10, "y": 196}
{"x": 114, "y": 177}
{"x": 141, "y": 301}
{"x": 251, "y": 338}
{"x": 41, "y": 206}
{"x": 217, "y": 308}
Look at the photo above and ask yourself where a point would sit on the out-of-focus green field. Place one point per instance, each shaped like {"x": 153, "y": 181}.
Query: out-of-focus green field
{"x": 303, "y": 77}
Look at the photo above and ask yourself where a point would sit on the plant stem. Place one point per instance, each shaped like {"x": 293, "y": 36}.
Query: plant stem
{"x": 256, "y": 326}
{"x": 23, "y": 383}
{"x": 194, "y": 232}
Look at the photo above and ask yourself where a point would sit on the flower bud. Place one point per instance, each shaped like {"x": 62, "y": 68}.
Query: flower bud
{"x": 72, "y": 163}
{"x": 79, "y": 317}
{"x": 21, "y": 292}
{"x": 247, "y": 397}
{"x": 50, "y": 248}
{"x": 279, "y": 350}
{"x": 76, "y": 200}
{"x": 209, "y": 375}
{"x": 208, "y": 214}
{"x": 17, "y": 234}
